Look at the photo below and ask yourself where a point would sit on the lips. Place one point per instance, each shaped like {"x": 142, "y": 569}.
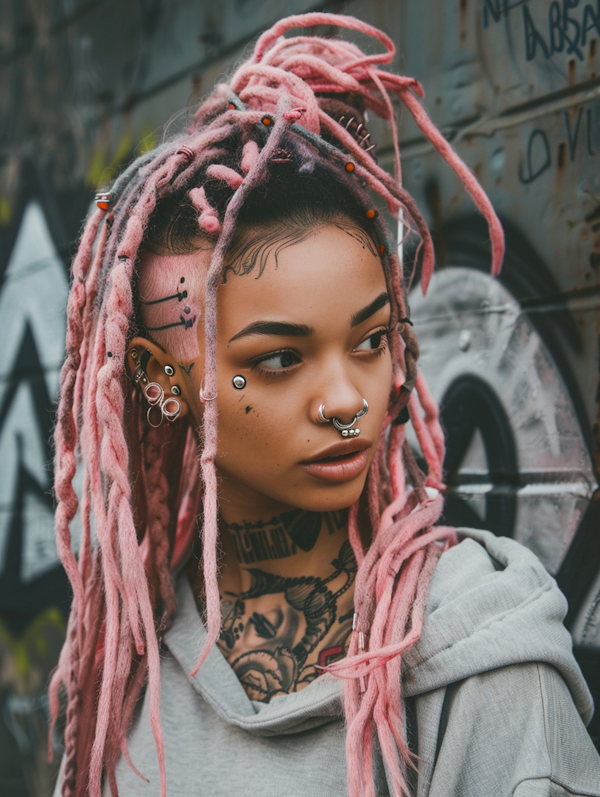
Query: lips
{"x": 341, "y": 462}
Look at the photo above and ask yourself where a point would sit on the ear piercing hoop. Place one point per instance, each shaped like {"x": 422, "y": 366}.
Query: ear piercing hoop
{"x": 169, "y": 407}
{"x": 346, "y": 429}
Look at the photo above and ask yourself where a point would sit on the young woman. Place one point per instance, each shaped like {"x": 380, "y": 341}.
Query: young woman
{"x": 259, "y": 555}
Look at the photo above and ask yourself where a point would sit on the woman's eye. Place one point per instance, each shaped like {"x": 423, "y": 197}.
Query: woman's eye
{"x": 279, "y": 361}
{"x": 373, "y": 342}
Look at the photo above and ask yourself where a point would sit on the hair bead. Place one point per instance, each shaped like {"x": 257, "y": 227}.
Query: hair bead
{"x": 103, "y": 200}
{"x": 350, "y": 167}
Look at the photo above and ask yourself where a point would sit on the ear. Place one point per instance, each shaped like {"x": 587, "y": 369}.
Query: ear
{"x": 158, "y": 366}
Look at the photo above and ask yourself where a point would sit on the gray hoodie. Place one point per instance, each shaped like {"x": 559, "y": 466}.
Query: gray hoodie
{"x": 495, "y": 700}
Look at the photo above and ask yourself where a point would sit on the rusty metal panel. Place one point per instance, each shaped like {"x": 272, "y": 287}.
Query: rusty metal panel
{"x": 516, "y": 91}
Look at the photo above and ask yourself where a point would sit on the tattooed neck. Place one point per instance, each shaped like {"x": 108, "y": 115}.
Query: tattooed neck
{"x": 277, "y": 634}
{"x": 283, "y": 535}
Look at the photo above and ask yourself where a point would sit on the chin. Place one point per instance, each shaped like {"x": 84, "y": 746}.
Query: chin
{"x": 331, "y": 498}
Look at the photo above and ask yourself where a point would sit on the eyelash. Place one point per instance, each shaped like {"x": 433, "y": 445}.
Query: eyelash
{"x": 269, "y": 371}
{"x": 256, "y": 365}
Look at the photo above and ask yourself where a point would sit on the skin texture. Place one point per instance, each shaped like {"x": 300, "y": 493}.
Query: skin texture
{"x": 288, "y": 571}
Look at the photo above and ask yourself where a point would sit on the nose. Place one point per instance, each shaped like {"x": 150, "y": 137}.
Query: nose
{"x": 337, "y": 397}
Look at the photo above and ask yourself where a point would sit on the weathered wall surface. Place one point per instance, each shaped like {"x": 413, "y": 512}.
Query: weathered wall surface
{"x": 514, "y": 84}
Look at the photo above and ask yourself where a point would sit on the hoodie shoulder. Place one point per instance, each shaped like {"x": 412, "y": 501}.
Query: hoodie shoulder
{"x": 491, "y": 604}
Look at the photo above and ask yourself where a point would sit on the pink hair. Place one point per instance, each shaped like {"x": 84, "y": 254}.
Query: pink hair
{"x": 123, "y": 595}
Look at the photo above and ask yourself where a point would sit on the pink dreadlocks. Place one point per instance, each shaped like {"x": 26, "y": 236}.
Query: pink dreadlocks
{"x": 296, "y": 93}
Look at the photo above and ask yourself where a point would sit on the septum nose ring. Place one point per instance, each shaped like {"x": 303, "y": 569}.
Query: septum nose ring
{"x": 346, "y": 429}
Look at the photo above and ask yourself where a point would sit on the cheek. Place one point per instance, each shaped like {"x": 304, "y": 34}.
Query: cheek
{"x": 254, "y": 428}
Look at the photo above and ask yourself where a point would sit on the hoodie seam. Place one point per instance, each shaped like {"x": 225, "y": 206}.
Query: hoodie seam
{"x": 545, "y": 722}
{"x": 566, "y": 789}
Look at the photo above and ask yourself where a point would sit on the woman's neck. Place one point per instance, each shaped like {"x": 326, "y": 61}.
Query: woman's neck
{"x": 287, "y": 591}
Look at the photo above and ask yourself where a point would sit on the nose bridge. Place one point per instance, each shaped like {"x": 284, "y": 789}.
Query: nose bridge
{"x": 337, "y": 389}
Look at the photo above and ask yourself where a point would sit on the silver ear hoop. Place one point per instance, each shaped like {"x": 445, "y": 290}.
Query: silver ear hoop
{"x": 154, "y": 393}
{"x": 161, "y": 416}
{"x": 171, "y": 414}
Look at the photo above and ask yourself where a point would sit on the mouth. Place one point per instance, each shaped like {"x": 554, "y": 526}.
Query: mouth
{"x": 341, "y": 462}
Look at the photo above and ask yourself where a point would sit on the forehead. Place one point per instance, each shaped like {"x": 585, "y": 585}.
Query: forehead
{"x": 327, "y": 275}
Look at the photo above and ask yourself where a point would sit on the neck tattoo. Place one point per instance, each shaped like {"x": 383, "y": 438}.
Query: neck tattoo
{"x": 309, "y": 626}
{"x": 281, "y": 536}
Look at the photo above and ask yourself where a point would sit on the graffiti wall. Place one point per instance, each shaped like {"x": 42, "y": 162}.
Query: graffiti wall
{"x": 513, "y": 362}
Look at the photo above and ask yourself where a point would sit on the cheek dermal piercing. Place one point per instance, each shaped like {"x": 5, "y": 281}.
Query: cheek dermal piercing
{"x": 239, "y": 382}
{"x": 346, "y": 429}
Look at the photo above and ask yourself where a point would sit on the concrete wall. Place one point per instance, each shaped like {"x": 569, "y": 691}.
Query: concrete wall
{"x": 514, "y": 85}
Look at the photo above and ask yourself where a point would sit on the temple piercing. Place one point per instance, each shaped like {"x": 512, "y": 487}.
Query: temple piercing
{"x": 345, "y": 428}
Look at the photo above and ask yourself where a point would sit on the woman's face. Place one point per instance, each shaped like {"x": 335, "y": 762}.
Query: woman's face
{"x": 309, "y": 330}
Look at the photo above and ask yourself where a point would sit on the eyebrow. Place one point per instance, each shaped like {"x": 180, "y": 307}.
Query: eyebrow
{"x": 280, "y": 328}
{"x": 370, "y": 309}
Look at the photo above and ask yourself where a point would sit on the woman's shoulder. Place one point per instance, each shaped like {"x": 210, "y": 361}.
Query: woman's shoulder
{"x": 492, "y": 604}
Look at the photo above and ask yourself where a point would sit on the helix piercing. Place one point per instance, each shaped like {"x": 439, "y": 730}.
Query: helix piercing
{"x": 239, "y": 382}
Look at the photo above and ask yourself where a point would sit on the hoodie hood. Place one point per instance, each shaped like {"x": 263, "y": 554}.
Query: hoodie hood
{"x": 217, "y": 683}
{"x": 491, "y": 604}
